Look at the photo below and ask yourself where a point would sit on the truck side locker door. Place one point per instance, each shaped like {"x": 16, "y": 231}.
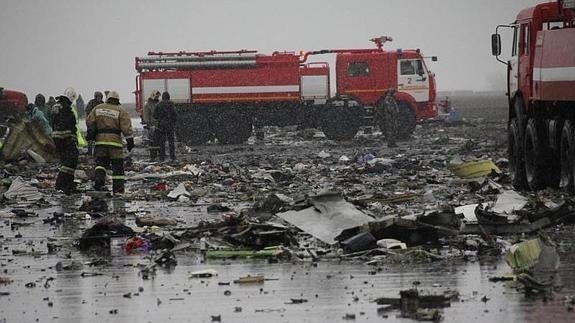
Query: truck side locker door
{"x": 537, "y": 63}
{"x": 525, "y": 67}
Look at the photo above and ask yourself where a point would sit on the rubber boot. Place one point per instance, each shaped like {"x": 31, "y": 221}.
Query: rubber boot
{"x": 118, "y": 186}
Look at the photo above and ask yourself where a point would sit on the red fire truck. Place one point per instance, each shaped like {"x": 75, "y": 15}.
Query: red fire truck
{"x": 223, "y": 94}
{"x": 541, "y": 93}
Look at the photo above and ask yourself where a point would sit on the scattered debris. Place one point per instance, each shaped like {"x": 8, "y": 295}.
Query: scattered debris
{"x": 258, "y": 279}
{"x": 21, "y": 191}
{"x": 472, "y": 169}
{"x": 328, "y": 216}
{"x": 535, "y": 263}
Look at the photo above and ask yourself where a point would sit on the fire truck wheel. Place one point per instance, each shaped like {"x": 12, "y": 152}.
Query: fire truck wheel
{"x": 567, "y": 154}
{"x": 233, "y": 128}
{"x": 193, "y": 129}
{"x": 515, "y": 153}
{"x": 534, "y": 156}
{"x": 554, "y": 155}
{"x": 339, "y": 124}
{"x": 406, "y": 121}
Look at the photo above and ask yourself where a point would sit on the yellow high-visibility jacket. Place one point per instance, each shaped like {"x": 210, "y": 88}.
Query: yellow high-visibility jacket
{"x": 109, "y": 122}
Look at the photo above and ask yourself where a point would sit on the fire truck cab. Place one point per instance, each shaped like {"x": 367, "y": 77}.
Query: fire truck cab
{"x": 224, "y": 95}
{"x": 541, "y": 95}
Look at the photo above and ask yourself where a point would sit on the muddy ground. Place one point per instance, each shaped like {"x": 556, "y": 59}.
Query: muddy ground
{"x": 45, "y": 278}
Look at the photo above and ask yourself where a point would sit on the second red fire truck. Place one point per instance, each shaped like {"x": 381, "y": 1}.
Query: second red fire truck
{"x": 541, "y": 93}
{"x": 223, "y": 94}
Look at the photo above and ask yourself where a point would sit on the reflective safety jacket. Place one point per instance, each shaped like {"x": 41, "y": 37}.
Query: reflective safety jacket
{"x": 107, "y": 122}
{"x": 80, "y": 140}
{"x": 64, "y": 121}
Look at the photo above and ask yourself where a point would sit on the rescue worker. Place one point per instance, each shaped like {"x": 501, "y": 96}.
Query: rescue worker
{"x": 151, "y": 124}
{"x": 390, "y": 118}
{"x": 98, "y": 99}
{"x": 51, "y": 102}
{"x": 71, "y": 94}
{"x": 81, "y": 106}
{"x": 165, "y": 114}
{"x": 107, "y": 123}
{"x": 40, "y": 103}
{"x": 65, "y": 139}
{"x": 35, "y": 115}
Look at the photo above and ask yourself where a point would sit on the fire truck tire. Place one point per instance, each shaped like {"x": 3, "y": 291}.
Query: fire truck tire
{"x": 567, "y": 156}
{"x": 535, "y": 154}
{"x": 554, "y": 154}
{"x": 193, "y": 129}
{"x": 233, "y": 128}
{"x": 406, "y": 121}
{"x": 339, "y": 124}
{"x": 515, "y": 153}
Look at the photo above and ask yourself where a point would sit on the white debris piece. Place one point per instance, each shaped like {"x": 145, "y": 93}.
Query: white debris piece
{"x": 322, "y": 154}
{"x": 22, "y": 191}
{"x": 180, "y": 190}
{"x": 344, "y": 159}
{"x": 509, "y": 201}
{"x": 391, "y": 244}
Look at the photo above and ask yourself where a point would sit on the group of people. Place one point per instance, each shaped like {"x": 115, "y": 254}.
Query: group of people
{"x": 106, "y": 123}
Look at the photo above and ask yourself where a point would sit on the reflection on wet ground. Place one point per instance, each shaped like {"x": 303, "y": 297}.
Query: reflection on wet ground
{"x": 332, "y": 289}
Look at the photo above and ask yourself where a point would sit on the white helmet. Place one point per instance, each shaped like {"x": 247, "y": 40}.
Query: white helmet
{"x": 114, "y": 95}
{"x": 70, "y": 93}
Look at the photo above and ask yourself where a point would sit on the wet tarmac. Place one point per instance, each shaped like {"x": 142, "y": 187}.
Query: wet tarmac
{"x": 35, "y": 290}
{"x": 334, "y": 291}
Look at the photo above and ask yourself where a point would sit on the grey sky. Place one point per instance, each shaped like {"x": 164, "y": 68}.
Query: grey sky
{"x": 48, "y": 45}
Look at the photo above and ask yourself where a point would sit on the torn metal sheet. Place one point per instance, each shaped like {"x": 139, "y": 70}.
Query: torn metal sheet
{"x": 510, "y": 228}
{"x": 27, "y": 136}
{"x": 327, "y": 218}
{"x": 180, "y": 190}
{"x": 22, "y": 191}
{"x": 509, "y": 201}
{"x": 468, "y": 212}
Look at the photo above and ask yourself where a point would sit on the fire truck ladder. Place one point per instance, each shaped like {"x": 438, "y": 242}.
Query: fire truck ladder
{"x": 192, "y": 60}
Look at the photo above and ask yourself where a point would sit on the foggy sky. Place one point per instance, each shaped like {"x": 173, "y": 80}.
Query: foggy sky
{"x": 48, "y": 45}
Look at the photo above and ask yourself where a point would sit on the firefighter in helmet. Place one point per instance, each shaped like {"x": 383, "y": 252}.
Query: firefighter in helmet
{"x": 390, "y": 116}
{"x": 106, "y": 123}
{"x": 65, "y": 139}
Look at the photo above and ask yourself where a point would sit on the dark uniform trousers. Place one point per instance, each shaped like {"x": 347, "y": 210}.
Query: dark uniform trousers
{"x": 390, "y": 118}
{"x": 162, "y": 136}
{"x": 68, "y": 154}
{"x": 106, "y": 157}
{"x": 154, "y": 142}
